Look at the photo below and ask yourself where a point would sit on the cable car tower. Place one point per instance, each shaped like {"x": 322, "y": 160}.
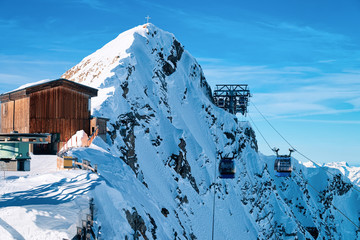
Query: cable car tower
{"x": 233, "y": 98}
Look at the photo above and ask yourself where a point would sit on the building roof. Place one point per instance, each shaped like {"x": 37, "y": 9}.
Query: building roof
{"x": 104, "y": 118}
{"x": 28, "y": 89}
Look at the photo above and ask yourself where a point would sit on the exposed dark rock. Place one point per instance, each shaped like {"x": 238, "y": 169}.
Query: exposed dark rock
{"x": 336, "y": 187}
{"x": 182, "y": 199}
{"x": 184, "y": 94}
{"x": 249, "y": 132}
{"x": 153, "y": 229}
{"x": 313, "y": 231}
{"x": 165, "y": 212}
{"x": 156, "y": 142}
{"x": 137, "y": 223}
{"x": 192, "y": 236}
{"x": 339, "y": 186}
{"x": 206, "y": 87}
{"x": 125, "y": 126}
{"x": 181, "y": 165}
{"x": 124, "y": 87}
{"x": 182, "y": 226}
{"x": 230, "y": 136}
{"x": 168, "y": 69}
{"x": 130, "y": 69}
{"x": 175, "y": 55}
{"x": 195, "y": 69}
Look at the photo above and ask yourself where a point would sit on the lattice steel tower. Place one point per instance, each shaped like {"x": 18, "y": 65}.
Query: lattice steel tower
{"x": 234, "y": 98}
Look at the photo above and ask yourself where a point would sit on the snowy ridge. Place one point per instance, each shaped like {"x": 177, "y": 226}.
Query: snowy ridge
{"x": 351, "y": 172}
{"x": 157, "y": 170}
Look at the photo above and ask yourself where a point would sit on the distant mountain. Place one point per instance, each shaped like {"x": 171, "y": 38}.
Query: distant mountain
{"x": 165, "y": 128}
{"x": 351, "y": 172}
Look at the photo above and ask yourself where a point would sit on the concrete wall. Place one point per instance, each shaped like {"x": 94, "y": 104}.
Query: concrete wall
{"x": 14, "y": 165}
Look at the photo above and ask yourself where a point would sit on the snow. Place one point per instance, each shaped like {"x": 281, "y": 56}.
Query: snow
{"x": 43, "y": 203}
{"x": 162, "y": 153}
{"x": 31, "y": 85}
{"x": 309, "y": 164}
{"x": 79, "y": 139}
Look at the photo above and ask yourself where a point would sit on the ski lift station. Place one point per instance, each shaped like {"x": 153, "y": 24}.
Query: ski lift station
{"x": 233, "y": 98}
{"x": 58, "y": 108}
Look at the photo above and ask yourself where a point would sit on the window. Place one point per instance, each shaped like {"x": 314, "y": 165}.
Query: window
{"x": 89, "y": 105}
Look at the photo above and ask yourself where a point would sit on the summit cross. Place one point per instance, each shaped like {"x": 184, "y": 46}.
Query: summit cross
{"x": 147, "y": 19}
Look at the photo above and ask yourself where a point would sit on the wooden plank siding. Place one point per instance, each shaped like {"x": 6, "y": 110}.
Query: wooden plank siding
{"x": 21, "y": 123}
{"x": 59, "y": 110}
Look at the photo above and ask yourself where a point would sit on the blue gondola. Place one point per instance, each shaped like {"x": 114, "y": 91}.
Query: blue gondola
{"x": 282, "y": 164}
{"x": 227, "y": 168}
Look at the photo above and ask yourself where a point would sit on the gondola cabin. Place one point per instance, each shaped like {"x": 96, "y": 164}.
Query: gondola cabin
{"x": 227, "y": 168}
{"x": 282, "y": 165}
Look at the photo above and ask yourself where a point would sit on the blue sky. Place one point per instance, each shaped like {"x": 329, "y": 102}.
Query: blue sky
{"x": 301, "y": 59}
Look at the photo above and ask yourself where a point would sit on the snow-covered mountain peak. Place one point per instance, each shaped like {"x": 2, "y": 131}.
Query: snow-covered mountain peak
{"x": 137, "y": 42}
{"x": 165, "y": 135}
{"x": 337, "y": 164}
{"x": 147, "y": 57}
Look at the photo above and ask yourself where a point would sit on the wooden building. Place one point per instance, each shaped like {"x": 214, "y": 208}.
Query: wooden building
{"x": 99, "y": 124}
{"x": 59, "y": 107}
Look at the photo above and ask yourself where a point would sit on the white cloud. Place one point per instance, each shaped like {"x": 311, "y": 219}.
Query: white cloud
{"x": 327, "y": 61}
{"x": 209, "y": 60}
{"x": 355, "y": 102}
{"x": 309, "y": 32}
{"x": 13, "y": 79}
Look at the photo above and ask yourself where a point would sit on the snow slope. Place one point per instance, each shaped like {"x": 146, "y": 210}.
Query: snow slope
{"x": 158, "y": 171}
{"x": 43, "y": 203}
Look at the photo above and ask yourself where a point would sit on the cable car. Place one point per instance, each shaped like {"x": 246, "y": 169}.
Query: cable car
{"x": 282, "y": 164}
{"x": 227, "y": 168}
